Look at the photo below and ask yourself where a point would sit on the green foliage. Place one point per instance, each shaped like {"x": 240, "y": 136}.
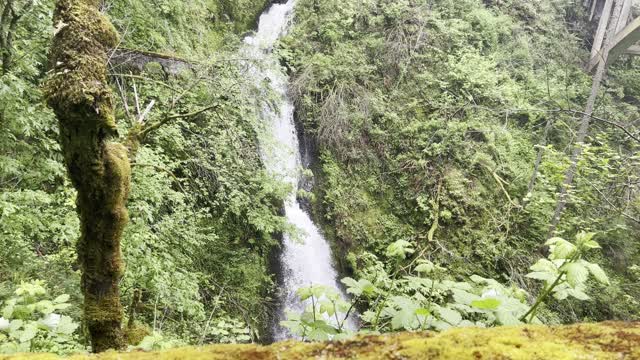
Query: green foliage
{"x": 428, "y": 119}
{"x": 425, "y": 297}
{"x": 194, "y": 28}
{"x": 325, "y": 316}
{"x": 420, "y": 295}
{"x": 30, "y": 321}
{"x": 157, "y": 342}
{"x": 565, "y": 273}
{"x": 202, "y": 209}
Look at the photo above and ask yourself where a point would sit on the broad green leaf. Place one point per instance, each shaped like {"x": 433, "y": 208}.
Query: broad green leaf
{"x": 561, "y": 294}
{"x": 463, "y": 297}
{"x": 367, "y": 287}
{"x": 61, "y": 306}
{"x": 403, "y": 312}
{"x": 342, "y": 306}
{"x": 15, "y": 326}
{"x": 44, "y": 306}
{"x": 486, "y": 304}
{"x": 304, "y": 293}
{"x": 349, "y": 282}
{"x": 592, "y": 245}
{"x": 30, "y": 331}
{"x": 544, "y": 265}
{"x": 451, "y": 316}
{"x": 576, "y": 273}
{"x": 582, "y": 238}
{"x": 553, "y": 241}
{"x": 578, "y": 294}
{"x": 61, "y": 299}
{"x": 507, "y": 318}
{"x": 317, "y": 335}
{"x": 66, "y": 326}
{"x": 327, "y": 307}
{"x": 560, "y": 248}
{"x": 539, "y": 275}
{"x": 324, "y": 326}
{"x": 425, "y": 268}
{"x": 598, "y": 273}
{"x": 357, "y": 288}
{"x": 7, "y": 311}
{"x": 317, "y": 290}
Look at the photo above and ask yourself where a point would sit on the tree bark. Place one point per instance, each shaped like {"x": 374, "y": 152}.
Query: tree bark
{"x": 98, "y": 166}
{"x": 586, "y": 119}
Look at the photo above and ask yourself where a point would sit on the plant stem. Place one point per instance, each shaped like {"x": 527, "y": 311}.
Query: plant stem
{"x": 375, "y": 323}
{"x": 346, "y": 316}
{"x": 543, "y": 296}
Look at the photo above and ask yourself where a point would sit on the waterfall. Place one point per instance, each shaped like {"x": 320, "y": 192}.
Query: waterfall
{"x": 307, "y": 260}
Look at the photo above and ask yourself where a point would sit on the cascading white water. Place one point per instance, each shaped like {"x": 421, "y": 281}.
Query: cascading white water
{"x": 308, "y": 260}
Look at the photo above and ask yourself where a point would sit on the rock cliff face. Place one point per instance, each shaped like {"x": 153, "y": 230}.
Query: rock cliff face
{"x": 609, "y": 340}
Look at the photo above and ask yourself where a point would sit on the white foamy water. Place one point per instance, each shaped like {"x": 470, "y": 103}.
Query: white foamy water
{"x": 308, "y": 260}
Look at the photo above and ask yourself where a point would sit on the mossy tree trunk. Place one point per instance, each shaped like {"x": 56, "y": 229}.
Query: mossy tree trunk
{"x": 98, "y": 166}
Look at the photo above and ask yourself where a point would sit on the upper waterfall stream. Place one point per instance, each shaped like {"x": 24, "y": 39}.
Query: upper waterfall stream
{"x": 308, "y": 260}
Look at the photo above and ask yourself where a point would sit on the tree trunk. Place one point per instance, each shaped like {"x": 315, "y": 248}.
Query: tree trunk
{"x": 98, "y": 166}
{"x": 586, "y": 119}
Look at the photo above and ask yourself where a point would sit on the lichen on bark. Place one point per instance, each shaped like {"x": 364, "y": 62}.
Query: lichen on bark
{"x": 99, "y": 168}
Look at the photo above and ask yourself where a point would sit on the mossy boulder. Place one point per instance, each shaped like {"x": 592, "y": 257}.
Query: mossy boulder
{"x": 609, "y": 340}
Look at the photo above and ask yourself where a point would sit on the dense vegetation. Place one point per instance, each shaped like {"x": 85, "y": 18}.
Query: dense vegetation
{"x": 440, "y": 132}
{"x": 201, "y": 212}
{"x": 428, "y": 118}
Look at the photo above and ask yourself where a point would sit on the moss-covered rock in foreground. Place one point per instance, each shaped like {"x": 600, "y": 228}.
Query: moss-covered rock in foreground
{"x": 609, "y": 340}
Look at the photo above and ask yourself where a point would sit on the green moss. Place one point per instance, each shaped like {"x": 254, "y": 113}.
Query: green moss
{"x": 135, "y": 333}
{"x": 610, "y": 340}
{"x": 99, "y": 169}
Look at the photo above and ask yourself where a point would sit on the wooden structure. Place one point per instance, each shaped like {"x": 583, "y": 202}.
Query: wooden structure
{"x": 627, "y": 30}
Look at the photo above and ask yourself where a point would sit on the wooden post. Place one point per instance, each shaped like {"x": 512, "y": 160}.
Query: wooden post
{"x": 624, "y": 16}
{"x": 602, "y": 28}
{"x": 624, "y": 40}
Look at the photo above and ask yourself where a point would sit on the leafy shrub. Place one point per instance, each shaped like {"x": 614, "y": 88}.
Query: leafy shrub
{"x": 31, "y": 322}
{"x": 427, "y": 297}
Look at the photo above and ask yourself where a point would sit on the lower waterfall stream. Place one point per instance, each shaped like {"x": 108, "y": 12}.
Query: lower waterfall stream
{"x": 305, "y": 261}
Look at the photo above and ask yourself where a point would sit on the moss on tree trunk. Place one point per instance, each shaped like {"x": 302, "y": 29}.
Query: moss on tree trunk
{"x": 98, "y": 166}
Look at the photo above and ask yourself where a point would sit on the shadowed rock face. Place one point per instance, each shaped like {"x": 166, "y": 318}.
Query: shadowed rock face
{"x": 609, "y": 340}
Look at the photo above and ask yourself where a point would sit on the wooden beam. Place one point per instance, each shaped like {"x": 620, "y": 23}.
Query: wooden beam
{"x": 624, "y": 17}
{"x": 602, "y": 28}
{"x": 634, "y": 50}
{"x": 621, "y": 43}
{"x": 624, "y": 40}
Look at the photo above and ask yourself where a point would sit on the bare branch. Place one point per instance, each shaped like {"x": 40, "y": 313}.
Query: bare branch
{"x": 152, "y": 127}
{"x": 146, "y": 111}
